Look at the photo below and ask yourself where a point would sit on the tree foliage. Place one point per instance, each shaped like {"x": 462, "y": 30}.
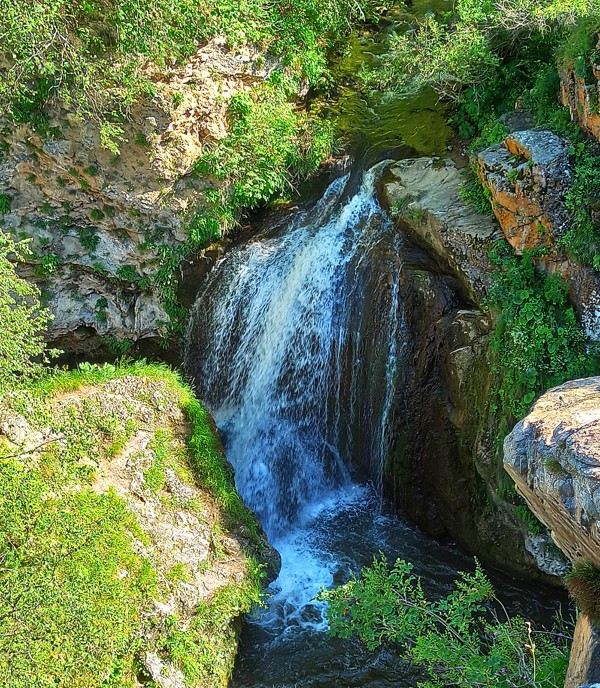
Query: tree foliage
{"x": 22, "y": 318}
{"x": 458, "y": 640}
{"x": 100, "y": 56}
{"x": 464, "y": 47}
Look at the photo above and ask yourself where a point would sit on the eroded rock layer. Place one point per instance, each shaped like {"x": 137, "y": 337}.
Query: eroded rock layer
{"x": 103, "y": 226}
{"x": 553, "y": 455}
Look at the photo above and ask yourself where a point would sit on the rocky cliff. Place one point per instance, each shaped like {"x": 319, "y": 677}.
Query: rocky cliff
{"x": 444, "y": 469}
{"x": 107, "y": 229}
{"x": 553, "y": 455}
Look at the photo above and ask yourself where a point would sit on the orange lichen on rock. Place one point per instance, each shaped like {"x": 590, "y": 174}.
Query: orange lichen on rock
{"x": 527, "y": 176}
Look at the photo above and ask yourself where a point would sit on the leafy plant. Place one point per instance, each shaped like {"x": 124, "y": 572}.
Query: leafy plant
{"x": 48, "y": 264}
{"x": 458, "y": 640}
{"x": 537, "y": 340}
{"x": 22, "y": 318}
{"x": 88, "y": 237}
{"x": 4, "y": 204}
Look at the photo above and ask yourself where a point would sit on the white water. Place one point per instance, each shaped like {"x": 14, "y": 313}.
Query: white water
{"x": 294, "y": 344}
{"x": 285, "y": 366}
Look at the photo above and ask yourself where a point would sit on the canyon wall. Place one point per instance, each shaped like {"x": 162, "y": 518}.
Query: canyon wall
{"x": 107, "y": 230}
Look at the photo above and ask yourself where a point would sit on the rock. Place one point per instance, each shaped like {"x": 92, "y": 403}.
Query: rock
{"x": 580, "y": 95}
{"x": 100, "y": 224}
{"x": 163, "y": 673}
{"x": 584, "y": 662}
{"x": 443, "y": 467}
{"x": 528, "y": 176}
{"x": 427, "y": 193}
{"x": 553, "y": 455}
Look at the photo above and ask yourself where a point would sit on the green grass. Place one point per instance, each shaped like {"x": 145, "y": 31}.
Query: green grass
{"x": 75, "y": 588}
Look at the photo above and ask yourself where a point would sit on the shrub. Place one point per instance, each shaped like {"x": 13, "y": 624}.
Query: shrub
{"x": 92, "y": 54}
{"x": 22, "y": 318}
{"x": 458, "y": 640}
{"x": 537, "y": 340}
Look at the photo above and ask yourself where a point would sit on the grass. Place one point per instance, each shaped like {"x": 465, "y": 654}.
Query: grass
{"x": 78, "y": 576}
{"x": 583, "y": 584}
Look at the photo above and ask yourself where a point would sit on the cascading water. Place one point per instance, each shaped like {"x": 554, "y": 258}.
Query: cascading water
{"x": 281, "y": 323}
{"x": 294, "y": 343}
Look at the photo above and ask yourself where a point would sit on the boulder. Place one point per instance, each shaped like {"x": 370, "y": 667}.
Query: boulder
{"x": 425, "y": 194}
{"x": 443, "y": 469}
{"x": 584, "y": 662}
{"x": 580, "y": 93}
{"x": 553, "y": 455}
{"x": 528, "y": 176}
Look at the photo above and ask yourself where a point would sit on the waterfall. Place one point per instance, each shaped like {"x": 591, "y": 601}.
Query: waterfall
{"x": 293, "y": 344}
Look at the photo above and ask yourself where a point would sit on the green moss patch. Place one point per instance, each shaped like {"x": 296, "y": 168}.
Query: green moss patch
{"x": 99, "y": 469}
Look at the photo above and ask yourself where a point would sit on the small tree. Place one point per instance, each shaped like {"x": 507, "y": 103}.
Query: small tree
{"x": 458, "y": 640}
{"x": 22, "y": 318}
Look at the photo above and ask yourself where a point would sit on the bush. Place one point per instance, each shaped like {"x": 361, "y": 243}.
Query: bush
{"x": 458, "y": 640}
{"x": 22, "y": 319}
{"x": 537, "y": 340}
{"x": 467, "y": 46}
{"x": 93, "y": 55}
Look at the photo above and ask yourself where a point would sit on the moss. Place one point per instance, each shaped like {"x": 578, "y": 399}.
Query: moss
{"x": 80, "y": 571}
{"x": 583, "y": 584}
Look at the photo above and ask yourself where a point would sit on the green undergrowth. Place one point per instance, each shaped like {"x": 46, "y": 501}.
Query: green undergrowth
{"x": 94, "y": 56}
{"x": 78, "y": 570}
{"x": 459, "y": 639}
{"x": 538, "y": 342}
{"x": 271, "y": 145}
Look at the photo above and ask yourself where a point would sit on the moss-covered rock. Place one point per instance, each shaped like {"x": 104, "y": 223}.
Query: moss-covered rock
{"x": 126, "y": 553}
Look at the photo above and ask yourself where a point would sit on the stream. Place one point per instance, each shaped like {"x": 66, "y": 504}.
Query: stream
{"x": 294, "y": 342}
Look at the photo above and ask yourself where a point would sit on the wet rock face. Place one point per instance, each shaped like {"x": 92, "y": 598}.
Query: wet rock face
{"x": 424, "y": 193}
{"x": 101, "y": 224}
{"x": 528, "y": 176}
{"x": 443, "y": 467}
{"x": 553, "y": 455}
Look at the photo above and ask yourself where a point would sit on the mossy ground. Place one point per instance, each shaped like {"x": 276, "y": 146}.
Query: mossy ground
{"x": 121, "y": 533}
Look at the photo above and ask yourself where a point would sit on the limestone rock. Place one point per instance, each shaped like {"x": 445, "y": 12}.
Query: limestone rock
{"x": 553, "y": 455}
{"x": 443, "y": 466}
{"x": 528, "y": 176}
{"x": 584, "y": 662}
{"x": 426, "y": 195}
{"x": 102, "y": 224}
{"x": 162, "y": 673}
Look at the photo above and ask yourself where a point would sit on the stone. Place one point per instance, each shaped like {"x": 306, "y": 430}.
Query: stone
{"x": 553, "y": 455}
{"x": 580, "y": 95}
{"x": 109, "y": 220}
{"x": 428, "y": 192}
{"x": 162, "y": 673}
{"x": 443, "y": 464}
{"x": 528, "y": 176}
{"x": 584, "y": 662}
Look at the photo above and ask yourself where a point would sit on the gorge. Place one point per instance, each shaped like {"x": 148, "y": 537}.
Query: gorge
{"x": 368, "y": 237}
